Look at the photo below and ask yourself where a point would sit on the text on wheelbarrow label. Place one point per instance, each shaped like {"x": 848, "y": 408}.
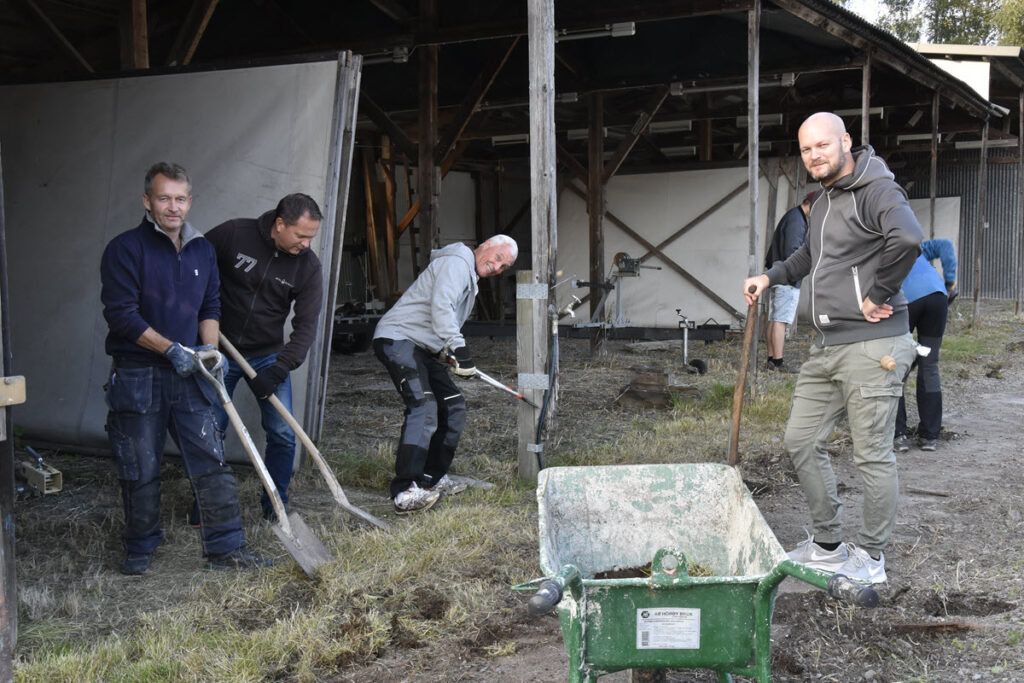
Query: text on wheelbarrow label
{"x": 670, "y": 628}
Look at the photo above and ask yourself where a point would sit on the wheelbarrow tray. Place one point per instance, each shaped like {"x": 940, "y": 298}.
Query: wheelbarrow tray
{"x": 602, "y": 519}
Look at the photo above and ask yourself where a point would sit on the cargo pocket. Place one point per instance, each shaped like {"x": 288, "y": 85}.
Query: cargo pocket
{"x": 879, "y": 400}
{"x": 411, "y": 388}
{"x": 129, "y": 396}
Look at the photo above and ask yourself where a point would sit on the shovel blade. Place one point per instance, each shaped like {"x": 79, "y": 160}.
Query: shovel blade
{"x": 302, "y": 544}
{"x": 363, "y": 515}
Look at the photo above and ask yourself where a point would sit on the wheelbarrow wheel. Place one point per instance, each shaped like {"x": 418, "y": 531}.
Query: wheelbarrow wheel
{"x": 648, "y": 675}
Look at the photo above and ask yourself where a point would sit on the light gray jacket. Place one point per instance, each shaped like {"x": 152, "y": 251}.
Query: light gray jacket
{"x": 862, "y": 240}
{"x": 433, "y": 310}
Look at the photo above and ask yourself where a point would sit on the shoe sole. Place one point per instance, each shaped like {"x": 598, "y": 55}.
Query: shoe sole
{"x": 401, "y": 511}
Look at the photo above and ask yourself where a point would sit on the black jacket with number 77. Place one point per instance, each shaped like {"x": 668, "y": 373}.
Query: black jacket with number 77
{"x": 258, "y": 285}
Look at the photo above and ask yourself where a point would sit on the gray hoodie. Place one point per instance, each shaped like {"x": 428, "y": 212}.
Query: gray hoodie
{"x": 433, "y": 310}
{"x": 862, "y": 240}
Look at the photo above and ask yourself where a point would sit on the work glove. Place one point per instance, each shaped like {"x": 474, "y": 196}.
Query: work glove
{"x": 213, "y": 359}
{"x": 462, "y": 362}
{"x": 266, "y": 381}
{"x": 183, "y": 360}
{"x": 951, "y": 292}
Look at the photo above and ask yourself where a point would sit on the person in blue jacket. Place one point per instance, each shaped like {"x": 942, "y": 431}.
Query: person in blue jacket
{"x": 160, "y": 293}
{"x": 929, "y": 295}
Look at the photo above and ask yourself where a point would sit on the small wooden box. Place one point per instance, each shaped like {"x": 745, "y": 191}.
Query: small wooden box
{"x": 42, "y": 478}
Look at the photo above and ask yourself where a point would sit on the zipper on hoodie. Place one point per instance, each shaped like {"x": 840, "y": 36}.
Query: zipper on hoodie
{"x": 814, "y": 272}
{"x": 856, "y": 288}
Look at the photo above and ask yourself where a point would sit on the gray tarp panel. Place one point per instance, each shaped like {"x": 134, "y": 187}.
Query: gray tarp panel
{"x": 75, "y": 155}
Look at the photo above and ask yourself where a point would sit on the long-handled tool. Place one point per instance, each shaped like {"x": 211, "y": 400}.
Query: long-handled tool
{"x": 300, "y": 542}
{"x": 495, "y": 383}
{"x": 325, "y": 469}
{"x": 741, "y": 380}
{"x": 504, "y": 387}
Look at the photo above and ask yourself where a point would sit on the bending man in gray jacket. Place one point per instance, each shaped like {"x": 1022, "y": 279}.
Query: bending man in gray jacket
{"x": 414, "y": 341}
{"x": 862, "y": 240}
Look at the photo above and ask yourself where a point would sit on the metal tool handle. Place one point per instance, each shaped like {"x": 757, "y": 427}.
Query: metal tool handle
{"x": 843, "y": 588}
{"x": 307, "y": 443}
{"x": 547, "y": 596}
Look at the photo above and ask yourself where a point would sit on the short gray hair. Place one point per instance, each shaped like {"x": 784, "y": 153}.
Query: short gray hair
{"x": 168, "y": 170}
{"x": 503, "y": 241}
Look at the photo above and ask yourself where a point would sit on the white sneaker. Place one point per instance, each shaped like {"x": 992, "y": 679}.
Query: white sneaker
{"x": 415, "y": 499}
{"x": 862, "y": 568}
{"x": 814, "y": 556}
{"x": 447, "y": 486}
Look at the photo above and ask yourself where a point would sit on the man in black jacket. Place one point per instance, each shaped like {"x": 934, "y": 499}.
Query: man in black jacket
{"x": 790, "y": 234}
{"x": 266, "y": 267}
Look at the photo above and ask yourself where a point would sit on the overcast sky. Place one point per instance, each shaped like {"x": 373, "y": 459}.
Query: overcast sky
{"x": 868, "y": 9}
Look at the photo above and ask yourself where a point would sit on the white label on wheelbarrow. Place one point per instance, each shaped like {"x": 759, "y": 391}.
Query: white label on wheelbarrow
{"x": 669, "y": 628}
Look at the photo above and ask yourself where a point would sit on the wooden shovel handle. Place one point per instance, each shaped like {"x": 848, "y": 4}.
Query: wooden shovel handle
{"x": 741, "y": 380}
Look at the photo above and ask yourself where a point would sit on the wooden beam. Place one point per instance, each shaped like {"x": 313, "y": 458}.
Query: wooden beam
{"x": 655, "y": 251}
{"x": 933, "y": 171}
{"x": 403, "y": 144}
{"x": 8, "y": 546}
{"x": 395, "y": 10}
{"x": 979, "y": 224}
{"x": 638, "y": 129}
{"x": 753, "y": 133}
{"x": 134, "y": 28}
{"x": 372, "y": 245}
{"x": 865, "y": 99}
{"x": 544, "y": 233}
{"x": 56, "y": 34}
{"x": 474, "y": 96}
{"x": 191, "y": 32}
{"x": 595, "y": 209}
{"x": 391, "y": 235}
{"x": 414, "y": 210}
{"x": 1019, "y": 304}
{"x": 428, "y": 178}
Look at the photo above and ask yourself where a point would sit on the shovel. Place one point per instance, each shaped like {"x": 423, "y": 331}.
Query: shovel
{"x": 325, "y": 469}
{"x": 741, "y": 380}
{"x": 298, "y": 540}
{"x": 487, "y": 379}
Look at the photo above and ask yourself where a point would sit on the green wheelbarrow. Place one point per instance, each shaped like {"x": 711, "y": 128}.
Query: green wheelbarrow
{"x": 701, "y": 564}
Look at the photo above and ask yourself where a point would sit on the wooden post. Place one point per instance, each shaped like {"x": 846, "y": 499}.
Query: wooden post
{"x": 485, "y": 300}
{"x": 595, "y": 210}
{"x": 753, "y": 171}
{"x": 373, "y": 269}
{"x": 865, "y": 100}
{"x": 499, "y": 199}
{"x": 533, "y": 361}
{"x": 933, "y": 178}
{"x": 428, "y": 179}
{"x": 134, "y": 35}
{"x": 387, "y": 165}
{"x": 8, "y": 567}
{"x": 979, "y": 225}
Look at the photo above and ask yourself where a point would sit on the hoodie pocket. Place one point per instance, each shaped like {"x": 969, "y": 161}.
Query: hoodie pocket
{"x": 838, "y": 294}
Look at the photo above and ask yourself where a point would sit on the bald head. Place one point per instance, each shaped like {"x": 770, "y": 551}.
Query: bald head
{"x": 825, "y": 147}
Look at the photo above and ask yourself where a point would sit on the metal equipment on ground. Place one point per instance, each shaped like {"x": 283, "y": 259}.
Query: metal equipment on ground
{"x": 712, "y": 569}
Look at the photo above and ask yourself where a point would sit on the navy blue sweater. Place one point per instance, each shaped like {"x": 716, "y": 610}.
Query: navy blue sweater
{"x": 148, "y": 283}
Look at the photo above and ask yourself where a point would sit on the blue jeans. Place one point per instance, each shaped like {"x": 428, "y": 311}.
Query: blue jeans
{"x": 280, "y": 452}
{"x": 147, "y": 402}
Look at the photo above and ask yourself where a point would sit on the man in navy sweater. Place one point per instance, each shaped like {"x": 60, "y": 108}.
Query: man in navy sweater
{"x": 160, "y": 296}
{"x": 266, "y": 269}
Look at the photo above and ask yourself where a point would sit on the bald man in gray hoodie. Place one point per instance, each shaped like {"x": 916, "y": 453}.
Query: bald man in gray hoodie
{"x": 862, "y": 240}
{"x": 417, "y": 340}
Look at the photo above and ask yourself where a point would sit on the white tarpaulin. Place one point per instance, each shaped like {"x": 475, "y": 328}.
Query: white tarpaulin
{"x": 74, "y": 159}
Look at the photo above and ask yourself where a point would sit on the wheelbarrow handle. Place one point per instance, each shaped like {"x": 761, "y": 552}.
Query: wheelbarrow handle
{"x": 547, "y": 596}
{"x": 843, "y": 588}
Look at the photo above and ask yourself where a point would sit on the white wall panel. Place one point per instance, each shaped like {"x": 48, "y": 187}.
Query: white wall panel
{"x": 75, "y": 155}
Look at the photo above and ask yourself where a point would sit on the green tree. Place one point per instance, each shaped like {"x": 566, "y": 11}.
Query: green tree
{"x": 965, "y": 22}
{"x": 900, "y": 20}
{"x": 1009, "y": 20}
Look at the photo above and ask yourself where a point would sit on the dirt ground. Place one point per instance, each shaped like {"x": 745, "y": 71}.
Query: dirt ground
{"x": 951, "y": 610}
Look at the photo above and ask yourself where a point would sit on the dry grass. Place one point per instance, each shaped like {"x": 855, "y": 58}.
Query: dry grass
{"x": 439, "y": 580}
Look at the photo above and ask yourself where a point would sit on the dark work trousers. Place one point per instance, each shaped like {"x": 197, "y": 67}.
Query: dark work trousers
{"x": 928, "y": 317}
{"x": 147, "y": 402}
{"x": 435, "y": 413}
